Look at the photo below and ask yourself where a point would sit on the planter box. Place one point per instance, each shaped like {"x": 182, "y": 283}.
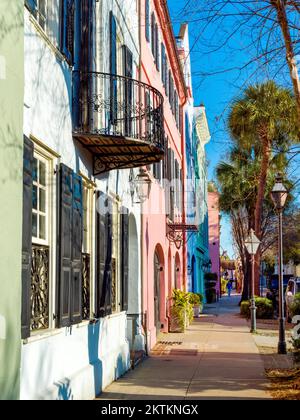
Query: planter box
{"x": 178, "y": 320}
{"x": 197, "y": 311}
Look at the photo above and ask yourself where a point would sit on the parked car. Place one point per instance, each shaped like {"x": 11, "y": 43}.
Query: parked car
{"x": 293, "y": 287}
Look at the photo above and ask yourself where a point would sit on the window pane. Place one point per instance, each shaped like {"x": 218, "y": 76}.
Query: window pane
{"x": 42, "y": 227}
{"x": 34, "y": 197}
{"x": 35, "y": 170}
{"x": 34, "y": 225}
{"x": 42, "y": 200}
{"x": 42, "y": 174}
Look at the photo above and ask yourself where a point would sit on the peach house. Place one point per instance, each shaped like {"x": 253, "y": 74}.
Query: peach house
{"x": 164, "y": 261}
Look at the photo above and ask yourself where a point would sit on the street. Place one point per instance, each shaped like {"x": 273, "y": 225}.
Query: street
{"x": 216, "y": 358}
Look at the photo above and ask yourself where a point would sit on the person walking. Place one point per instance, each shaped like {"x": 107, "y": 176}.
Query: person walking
{"x": 229, "y": 287}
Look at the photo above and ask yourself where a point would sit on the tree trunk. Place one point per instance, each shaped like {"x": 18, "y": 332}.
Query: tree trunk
{"x": 261, "y": 195}
{"x": 280, "y": 7}
{"x": 257, "y": 274}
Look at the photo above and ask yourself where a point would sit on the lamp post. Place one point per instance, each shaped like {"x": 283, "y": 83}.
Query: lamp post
{"x": 279, "y": 195}
{"x": 252, "y": 244}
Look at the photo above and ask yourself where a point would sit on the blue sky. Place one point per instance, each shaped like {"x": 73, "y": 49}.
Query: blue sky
{"x": 217, "y": 87}
{"x": 216, "y": 92}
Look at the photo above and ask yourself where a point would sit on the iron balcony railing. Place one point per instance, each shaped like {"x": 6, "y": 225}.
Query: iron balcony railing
{"x": 115, "y": 106}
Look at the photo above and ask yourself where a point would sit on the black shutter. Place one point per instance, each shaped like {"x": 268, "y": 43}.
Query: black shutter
{"x": 67, "y": 29}
{"x": 69, "y": 305}
{"x": 113, "y": 68}
{"x": 181, "y": 202}
{"x": 153, "y": 34}
{"x": 180, "y": 118}
{"x": 77, "y": 238}
{"x": 147, "y": 20}
{"x": 156, "y": 48}
{"x": 27, "y": 237}
{"x": 128, "y": 88}
{"x": 104, "y": 255}
{"x": 177, "y": 183}
{"x": 65, "y": 247}
{"x": 124, "y": 257}
{"x": 167, "y": 79}
{"x": 163, "y": 64}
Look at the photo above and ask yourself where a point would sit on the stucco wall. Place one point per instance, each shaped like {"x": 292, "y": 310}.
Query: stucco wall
{"x": 154, "y": 213}
{"x": 79, "y": 362}
{"x": 11, "y": 187}
{"x": 214, "y": 231}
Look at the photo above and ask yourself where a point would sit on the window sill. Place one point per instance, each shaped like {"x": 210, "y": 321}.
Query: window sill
{"x": 41, "y": 335}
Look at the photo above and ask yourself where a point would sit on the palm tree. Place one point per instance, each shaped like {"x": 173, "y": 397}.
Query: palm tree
{"x": 238, "y": 180}
{"x": 262, "y": 120}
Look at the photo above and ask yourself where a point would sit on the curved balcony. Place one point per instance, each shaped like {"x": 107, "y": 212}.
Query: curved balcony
{"x": 119, "y": 120}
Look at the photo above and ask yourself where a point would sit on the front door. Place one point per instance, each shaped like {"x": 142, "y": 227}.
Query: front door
{"x": 157, "y": 293}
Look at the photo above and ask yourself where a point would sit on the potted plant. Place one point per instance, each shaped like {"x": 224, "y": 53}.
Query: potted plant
{"x": 196, "y": 300}
{"x": 181, "y": 311}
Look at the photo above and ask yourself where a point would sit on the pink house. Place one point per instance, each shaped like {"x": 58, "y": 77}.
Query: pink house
{"x": 214, "y": 234}
{"x": 164, "y": 263}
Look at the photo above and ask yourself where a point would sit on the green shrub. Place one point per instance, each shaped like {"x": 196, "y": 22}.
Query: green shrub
{"x": 195, "y": 298}
{"x": 295, "y": 306}
{"x": 182, "y": 312}
{"x": 296, "y": 343}
{"x": 264, "y": 308}
{"x": 190, "y": 313}
{"x": 180, "y": 298}
{"x": 178, "y": 318}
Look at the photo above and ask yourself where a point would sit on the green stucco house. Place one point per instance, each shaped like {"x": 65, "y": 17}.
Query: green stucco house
{"x": 11, "y": 188}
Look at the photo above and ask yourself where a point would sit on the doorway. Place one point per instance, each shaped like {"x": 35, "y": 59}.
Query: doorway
{"x": 157, "y": 274}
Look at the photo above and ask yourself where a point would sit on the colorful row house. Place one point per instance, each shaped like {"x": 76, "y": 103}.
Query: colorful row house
{"x": 108, "y": 120}
{"x": 197, "y": 136}
{"x": 215, "y": 234}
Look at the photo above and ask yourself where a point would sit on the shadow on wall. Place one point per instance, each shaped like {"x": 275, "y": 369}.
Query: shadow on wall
{"x": 121, "y": 367}
{"x": 93, "y": 343}
{"x": 64, "y": 391}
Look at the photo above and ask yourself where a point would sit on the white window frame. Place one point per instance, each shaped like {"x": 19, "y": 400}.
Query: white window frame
{"x": 40, "y": 149}
{"x": 90, "y": 188}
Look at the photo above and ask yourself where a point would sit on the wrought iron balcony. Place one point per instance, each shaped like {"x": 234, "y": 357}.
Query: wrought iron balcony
{"x": 120, "y": 120}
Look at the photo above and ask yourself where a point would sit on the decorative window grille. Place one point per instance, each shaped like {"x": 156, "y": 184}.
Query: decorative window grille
{"x": 39, "y": 288}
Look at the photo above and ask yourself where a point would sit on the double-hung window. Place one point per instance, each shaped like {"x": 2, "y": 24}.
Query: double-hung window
{"x": 42, "y": 12}
{"x": 40, "y": 212}
{"x": 37, "y": 255}
{"x": 49, "y": 14}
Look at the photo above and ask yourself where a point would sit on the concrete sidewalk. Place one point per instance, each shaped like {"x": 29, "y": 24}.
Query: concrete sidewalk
{"x": 216, "y": 358}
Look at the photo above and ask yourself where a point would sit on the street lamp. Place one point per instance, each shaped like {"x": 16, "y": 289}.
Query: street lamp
{"x": 141, "y": 185}
{"x": 252, "y": 244}
{"x": 279, "y": 196}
